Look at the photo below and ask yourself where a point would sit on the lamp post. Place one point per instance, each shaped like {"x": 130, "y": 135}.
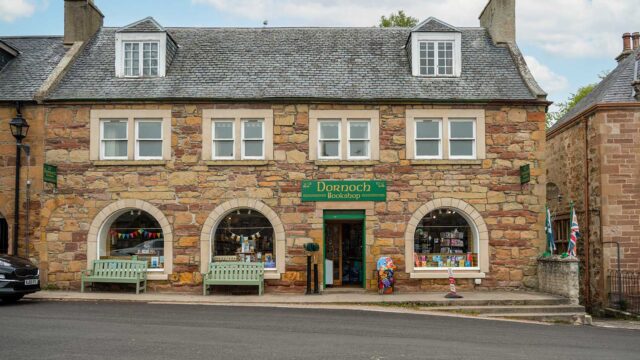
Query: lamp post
{"x": 19, "y": 129}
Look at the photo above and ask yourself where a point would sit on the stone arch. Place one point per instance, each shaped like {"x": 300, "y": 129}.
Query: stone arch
{"x": 467, "y": 211}
{"x": 225, "y": 208}
{"x": 111, "y": 212}
{"x": 5, "y": 211}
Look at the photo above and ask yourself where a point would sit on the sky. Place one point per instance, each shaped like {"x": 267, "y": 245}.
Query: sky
{"x": 566, "y": 43}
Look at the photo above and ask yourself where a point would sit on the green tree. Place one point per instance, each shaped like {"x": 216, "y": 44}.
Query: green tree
{"x": 564, "y": 107}
{"x": 398, "y": 20}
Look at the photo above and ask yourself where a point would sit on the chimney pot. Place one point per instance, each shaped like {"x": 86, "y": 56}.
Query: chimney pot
{"x": 626, "y": 41}
{"x": 636, "y": 40}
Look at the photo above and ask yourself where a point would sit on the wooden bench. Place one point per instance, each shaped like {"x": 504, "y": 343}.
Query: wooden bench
{"x": 117, "y": 271}
{"x": 234, "y": 273}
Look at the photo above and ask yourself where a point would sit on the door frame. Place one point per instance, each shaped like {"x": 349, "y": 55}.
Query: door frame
{"x": 358, "y": 215}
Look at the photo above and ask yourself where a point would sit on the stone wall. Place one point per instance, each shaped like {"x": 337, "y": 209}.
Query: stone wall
{"x": 33, "y": 170}
{"x": 559, "y": 277}
{"x": 614, "y": 190}
{"x": 186, "y": 189}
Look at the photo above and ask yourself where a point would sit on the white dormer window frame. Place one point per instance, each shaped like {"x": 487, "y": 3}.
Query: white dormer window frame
{"x": 124, "y": 38}
{"x": 437, "y": 40}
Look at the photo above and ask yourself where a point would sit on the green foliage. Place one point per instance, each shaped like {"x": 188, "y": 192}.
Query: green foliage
{"x": 552, "y": 117}
{"x": 398, "y": 20}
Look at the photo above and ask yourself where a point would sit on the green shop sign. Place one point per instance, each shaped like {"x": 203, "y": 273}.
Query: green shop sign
{"x": 50, "y": 174}
{"x": 525, "y": 174}
{"x": 347, "y": 190}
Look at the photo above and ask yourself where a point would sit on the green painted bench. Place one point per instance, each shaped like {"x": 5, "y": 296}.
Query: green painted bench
{"x": 117, "y": 271}
{"x": 234, "y": 273}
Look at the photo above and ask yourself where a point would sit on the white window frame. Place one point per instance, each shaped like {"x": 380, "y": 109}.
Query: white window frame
{"x": 130, "y": 116}
{"x": 243, "y": 139}
{"x": 137, "y": 139}
{"x": 367, "y": 140}
{"x": 447, "y": 115}
{"x": 420, "y": 37}
{"x": 436, "y": 57}
{"x": 141, "y": 38}
{"x": 474, "y": 138}
{"x": 102, "y": 139}
{"x": 140, "y": 58}
{"x": 214, "y": 139}
{"x": 416, "y": 138}
{"x": 320, "y": 139}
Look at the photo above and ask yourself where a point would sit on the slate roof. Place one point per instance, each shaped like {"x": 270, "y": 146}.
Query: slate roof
{"x": 23, "y": 76}
{"x": 434, "y": 25}
{"x": 296, "y": 63}
{"x": 147, "y": 24}
{"x": 614, "y": 88}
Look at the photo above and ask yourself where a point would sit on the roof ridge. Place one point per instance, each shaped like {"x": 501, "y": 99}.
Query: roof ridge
{"x": 32, "y": 37}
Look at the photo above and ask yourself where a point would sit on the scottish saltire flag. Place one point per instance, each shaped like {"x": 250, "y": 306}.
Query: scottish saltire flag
{"x": 575, "y": 232}
{"x": 551, "y": 243}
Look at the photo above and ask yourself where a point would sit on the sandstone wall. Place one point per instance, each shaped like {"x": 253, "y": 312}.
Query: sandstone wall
{"x": 33, "y": 170}
{"x": 186, "y": 189}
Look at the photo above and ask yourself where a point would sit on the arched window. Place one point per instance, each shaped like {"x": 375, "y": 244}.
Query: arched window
{"x": 244, "y": 235}
{"x": 133, "y": 233}
{"x": 445, "y": 238}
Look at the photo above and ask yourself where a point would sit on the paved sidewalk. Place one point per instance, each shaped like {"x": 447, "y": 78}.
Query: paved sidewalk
{"x": 431, "y": 298}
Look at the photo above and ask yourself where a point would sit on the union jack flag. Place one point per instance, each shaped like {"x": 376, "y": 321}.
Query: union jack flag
{"x": 575, "y": 232}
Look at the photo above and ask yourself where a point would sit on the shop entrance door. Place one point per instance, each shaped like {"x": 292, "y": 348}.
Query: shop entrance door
{"x": 344, "y": 249}
{"x": 4, "y": 236}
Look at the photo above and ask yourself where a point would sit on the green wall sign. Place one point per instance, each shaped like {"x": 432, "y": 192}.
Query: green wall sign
{"x": 525, "y": 174}
{"x": 344, "y": 190}
{"x": 50, "y": 174}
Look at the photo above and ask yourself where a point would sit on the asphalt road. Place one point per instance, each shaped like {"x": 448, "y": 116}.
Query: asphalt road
{"x": 106, "y": 330}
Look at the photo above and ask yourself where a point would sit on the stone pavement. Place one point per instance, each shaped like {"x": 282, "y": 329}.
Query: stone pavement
{"x": 428, "y": 298}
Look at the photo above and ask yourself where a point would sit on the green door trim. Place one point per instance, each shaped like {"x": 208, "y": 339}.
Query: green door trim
{"x": 344, "y": 215}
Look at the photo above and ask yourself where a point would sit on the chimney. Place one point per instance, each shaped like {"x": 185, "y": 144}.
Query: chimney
{"x": 626, "y": 47}
{"x": 636, "y": 40}
{"x": 499, "y": 18}
{"x": 82, "y": 19}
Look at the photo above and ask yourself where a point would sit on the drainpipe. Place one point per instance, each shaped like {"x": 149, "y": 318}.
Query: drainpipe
{"x": 587, "y": 275}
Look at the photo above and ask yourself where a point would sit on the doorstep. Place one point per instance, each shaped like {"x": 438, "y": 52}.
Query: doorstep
{"x": 422, "y": 299}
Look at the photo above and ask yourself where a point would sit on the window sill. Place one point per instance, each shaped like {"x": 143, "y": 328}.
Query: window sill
{"x": 129, "y": 162}
{"x": 445, "y": 162}
{"x": 443, "y": 274}
{"x": 157, "y": 276}
{"x": 236, "y": 162}
{"x": 345, "y": 162}
{"x": 271, "y": 275}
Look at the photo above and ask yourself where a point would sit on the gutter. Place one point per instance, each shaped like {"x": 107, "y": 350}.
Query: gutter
{"x": 376, "y": 101}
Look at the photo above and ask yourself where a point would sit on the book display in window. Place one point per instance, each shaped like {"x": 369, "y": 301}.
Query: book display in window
{"x": 444, "y": 239}
{"x": 244, "y": 235}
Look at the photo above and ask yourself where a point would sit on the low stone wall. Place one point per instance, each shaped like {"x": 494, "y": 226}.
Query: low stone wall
{"x": 559, "y": 277}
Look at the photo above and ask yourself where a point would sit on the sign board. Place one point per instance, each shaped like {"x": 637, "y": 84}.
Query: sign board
{"x": 344, "y": 190}
{"x": 525, "y": 174}
{"x": 50, "y": 174}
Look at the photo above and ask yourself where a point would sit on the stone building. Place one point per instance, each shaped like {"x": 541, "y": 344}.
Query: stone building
{"x": 593, "y": 157}
{"x": 184, "y": 146}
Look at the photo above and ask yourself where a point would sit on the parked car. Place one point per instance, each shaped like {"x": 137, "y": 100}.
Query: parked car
{"x": 18, "y": 277}
{"x": 152, "y": 247}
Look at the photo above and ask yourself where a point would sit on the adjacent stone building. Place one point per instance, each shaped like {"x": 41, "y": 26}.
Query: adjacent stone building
{"x": 184, "y": 146}
{"x": 593, "y": 158}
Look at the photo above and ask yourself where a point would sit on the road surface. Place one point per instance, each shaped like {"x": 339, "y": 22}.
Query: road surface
{"x": 110, "y": 330}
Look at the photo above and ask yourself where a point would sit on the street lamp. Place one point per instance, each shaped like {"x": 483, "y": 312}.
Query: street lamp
{"x": 19, "y": 130}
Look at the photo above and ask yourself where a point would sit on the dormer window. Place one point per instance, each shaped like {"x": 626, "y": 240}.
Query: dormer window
{"x": 435, "y": 49}
{"x": 143, "y": 49}
{"x": 436, "y": 58}
{"x": 141, "y": 55}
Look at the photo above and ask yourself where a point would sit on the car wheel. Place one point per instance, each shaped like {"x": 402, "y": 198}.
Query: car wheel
{"x": 12, "y": 299}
